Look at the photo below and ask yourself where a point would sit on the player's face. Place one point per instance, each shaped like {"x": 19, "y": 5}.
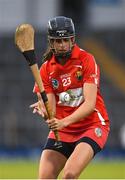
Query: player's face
{"x": 62, "y": 45}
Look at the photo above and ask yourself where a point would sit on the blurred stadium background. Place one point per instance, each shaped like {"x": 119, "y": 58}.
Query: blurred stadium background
{"x": 100, "y": 29}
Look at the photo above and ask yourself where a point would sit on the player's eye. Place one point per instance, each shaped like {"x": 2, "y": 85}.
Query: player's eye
{"x": 66, "y": 39}
{"x": 58, "y": 40}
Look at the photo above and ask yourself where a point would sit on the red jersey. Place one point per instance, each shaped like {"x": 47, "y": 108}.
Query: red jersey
{"x": 66, "y": 82}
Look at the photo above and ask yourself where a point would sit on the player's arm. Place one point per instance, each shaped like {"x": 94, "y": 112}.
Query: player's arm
{"x": 87, "y": 107}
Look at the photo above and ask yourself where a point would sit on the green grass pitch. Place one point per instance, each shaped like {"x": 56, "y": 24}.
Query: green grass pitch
{"x": 28, "y": 169}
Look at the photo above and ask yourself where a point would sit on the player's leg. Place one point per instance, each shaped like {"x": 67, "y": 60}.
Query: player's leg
{"x": 51, "y": 163}
{"x": 81, "y": 156}
{"x": 91, "y": 143}
{"x": 52, "y": 160}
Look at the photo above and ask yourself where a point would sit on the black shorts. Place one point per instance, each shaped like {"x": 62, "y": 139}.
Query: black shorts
{"x": 68, "y": 147}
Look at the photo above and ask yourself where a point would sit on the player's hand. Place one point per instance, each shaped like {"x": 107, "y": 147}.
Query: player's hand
{"x": 55, "y": 124}
{"x": 39, "y": 109}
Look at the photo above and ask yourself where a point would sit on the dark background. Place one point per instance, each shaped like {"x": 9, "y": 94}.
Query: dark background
{"x": 19, "y": 128}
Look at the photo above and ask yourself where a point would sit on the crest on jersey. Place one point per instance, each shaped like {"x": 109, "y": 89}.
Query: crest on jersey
{"x": 98, "y": 132}
{"x": 55, "y": 83}
{"x": 79, "y": 75}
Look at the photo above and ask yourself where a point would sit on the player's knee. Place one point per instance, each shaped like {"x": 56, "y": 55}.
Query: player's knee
{"x": 68, "y": 174}
{"x": 47, "y": 175}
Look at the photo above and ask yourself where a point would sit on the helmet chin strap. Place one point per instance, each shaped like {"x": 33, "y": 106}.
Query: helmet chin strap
{"x": 63, "y": 57}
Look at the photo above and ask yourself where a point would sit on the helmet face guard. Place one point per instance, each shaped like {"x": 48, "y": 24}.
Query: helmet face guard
{"x": 61, "y": 27}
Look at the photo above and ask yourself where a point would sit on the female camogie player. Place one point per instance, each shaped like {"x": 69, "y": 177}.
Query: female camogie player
{"x": 71, "y": 81}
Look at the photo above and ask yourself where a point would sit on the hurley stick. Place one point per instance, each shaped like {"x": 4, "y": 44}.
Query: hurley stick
{"x": 24, "y": 39}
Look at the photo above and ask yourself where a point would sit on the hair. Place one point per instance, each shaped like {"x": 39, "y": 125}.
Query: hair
{"x": 47, "y": 55}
